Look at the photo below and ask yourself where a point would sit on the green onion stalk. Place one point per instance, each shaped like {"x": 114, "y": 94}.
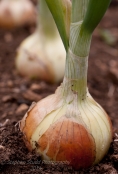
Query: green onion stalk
{"x": 42, "y": 55}
{"x": 70, "y": 125}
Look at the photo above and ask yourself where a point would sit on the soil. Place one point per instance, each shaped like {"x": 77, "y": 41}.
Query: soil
{"x": 17, "y": 94}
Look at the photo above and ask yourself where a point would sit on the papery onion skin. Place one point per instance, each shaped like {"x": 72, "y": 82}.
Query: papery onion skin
{"x": 69, "y": 141}
{"x": 16, "y": 13}
{"x": 62, "y": 138}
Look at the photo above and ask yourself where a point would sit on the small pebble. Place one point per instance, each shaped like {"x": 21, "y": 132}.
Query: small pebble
{"x": 6, "y": 98}
{"x": 8, "y": 37}
{"x": 10, "y": 83}
{"x": 35, "y": 87}
{"x": 22, "y": 108}
{"x": 2, "y": 147}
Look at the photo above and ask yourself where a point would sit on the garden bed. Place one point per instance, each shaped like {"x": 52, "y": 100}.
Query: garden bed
{"x": 17, "y": 94}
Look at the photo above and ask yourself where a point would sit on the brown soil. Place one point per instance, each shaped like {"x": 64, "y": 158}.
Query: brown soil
{"x": 17, "y": 94}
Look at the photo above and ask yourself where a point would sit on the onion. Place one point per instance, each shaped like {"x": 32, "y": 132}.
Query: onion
{"x": 70, "y": 125}
{"x": 42, "y": 54}
{"x": 73, "y": 131}
{"x": 15, "y": 13}
{"x": 36, "y": 59}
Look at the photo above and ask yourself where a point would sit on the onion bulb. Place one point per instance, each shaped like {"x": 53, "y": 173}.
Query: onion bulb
{"x": 42, "y": 54}
{"x": 15, "y": 13}
{"x": 79, "y": 132}
{"x": 37, "y": 58}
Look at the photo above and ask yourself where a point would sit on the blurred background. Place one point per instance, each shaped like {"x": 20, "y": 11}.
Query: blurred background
{"x": 17, "y": 92}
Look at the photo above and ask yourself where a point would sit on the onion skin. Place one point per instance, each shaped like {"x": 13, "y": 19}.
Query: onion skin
{"x": 56, "y": 136}
{"x": 16, "y": 13}
{"x": 34, "y": 116}
{"x": 63, "y": 139}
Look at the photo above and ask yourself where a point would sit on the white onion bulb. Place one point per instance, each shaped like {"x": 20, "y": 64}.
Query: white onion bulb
{"x": 42, "y": 54}
{"x": 41, "y": 57}
{"x": 79, "y": 132}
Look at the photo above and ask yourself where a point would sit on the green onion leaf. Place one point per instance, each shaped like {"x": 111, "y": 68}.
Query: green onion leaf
{"x": 61, "y": 12}
{"x": 95, "y": 11}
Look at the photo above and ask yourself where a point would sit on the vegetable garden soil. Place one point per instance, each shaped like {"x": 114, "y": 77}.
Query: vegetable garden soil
{"x": 17, "y": 94}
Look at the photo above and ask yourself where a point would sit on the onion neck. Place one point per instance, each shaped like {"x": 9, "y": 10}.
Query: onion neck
{"x": 75, "y": 79}
{"x": 45, "y": 21}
